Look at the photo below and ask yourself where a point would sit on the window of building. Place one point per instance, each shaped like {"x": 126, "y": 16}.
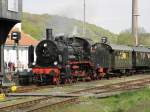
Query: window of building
{"x": 13, "y": 5}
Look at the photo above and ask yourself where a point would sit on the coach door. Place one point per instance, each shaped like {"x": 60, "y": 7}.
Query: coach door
{"x": 134, "y": 59}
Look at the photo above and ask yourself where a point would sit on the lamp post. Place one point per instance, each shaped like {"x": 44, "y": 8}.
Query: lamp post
{"x": 16, "y": 37}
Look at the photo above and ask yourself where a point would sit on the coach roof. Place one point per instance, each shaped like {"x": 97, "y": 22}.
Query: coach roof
{"x": 120, "y": 47}
{"x": 141, "y": 49}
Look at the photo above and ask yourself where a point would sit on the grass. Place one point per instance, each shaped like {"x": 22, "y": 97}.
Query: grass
{"x": 137, "y": 101}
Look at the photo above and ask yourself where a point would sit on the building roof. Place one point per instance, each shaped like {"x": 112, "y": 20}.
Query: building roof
{"x": 26, "y": 40}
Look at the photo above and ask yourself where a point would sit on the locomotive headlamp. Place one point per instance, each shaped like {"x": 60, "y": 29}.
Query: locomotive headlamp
{"x": 104, "y": 40}
{"x": 55, "y": 63}
{"x": 45, "y": 45}
{"x": 34, "y": 63}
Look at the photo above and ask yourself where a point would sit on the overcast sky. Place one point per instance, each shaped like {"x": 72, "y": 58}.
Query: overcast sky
{"x": 114, "y": 15}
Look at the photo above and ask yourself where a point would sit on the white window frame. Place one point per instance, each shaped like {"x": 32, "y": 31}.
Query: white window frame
{"x": 13, "y": 5}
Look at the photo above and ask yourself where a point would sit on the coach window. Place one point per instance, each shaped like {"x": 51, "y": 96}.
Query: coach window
{"x": 148, "y": 55}
{"x": 138, "y": 55}
{"x": 120, "y": 55}
{"x": 143, "y": 55}
{"x": 117, "y": 53}
{"x": 124, "y": 55}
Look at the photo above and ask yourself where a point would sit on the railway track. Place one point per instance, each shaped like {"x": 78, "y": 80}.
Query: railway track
{"x": 36, "y": 88}
{"x": 24, "y": 89}
{"x": 32, "y": 88}
{"x": 39, "y": 103}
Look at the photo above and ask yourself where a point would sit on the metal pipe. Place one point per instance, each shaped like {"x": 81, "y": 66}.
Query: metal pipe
{"x": 2, "y": 71}
{"x": 84, "y": 19}
{"x": 135, "y": 17}
{"x": 17, "y": 53}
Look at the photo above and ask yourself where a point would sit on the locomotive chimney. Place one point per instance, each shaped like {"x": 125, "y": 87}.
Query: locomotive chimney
{"x": 49, "y": 34}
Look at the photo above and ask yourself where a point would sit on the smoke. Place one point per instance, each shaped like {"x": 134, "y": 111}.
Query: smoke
{"x": 75, "y": 31}
{"x": 61, "y": 25}
{"x": 72, "y": 10}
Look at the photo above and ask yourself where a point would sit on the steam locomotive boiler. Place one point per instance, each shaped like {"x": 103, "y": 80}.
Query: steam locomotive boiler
{"x": 82, "y": 68}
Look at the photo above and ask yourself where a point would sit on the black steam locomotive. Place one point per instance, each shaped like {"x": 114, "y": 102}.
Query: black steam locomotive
{"x": 69, "y": 59}
{"x": 62, "y": 60}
